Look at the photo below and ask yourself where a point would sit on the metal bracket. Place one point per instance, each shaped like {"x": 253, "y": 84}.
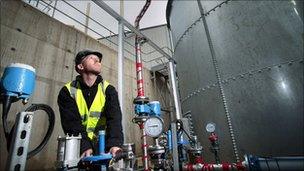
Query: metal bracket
{"x": 18, "y": 151}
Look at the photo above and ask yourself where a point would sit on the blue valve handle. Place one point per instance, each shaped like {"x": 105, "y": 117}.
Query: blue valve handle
{"x": 101, "y": 136}
{"x": 103, "y": 158}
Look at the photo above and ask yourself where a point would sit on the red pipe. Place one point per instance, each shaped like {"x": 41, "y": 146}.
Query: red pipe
{"x": 214, "y": 167}
{"x": 139, "y": 66}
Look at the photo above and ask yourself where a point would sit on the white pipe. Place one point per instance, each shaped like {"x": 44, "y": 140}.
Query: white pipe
{"x": 174, "y": 86}
{"x": 120, "y": 69}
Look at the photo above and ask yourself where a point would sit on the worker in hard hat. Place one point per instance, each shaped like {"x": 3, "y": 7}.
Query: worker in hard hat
{"x": 90, "y": 104}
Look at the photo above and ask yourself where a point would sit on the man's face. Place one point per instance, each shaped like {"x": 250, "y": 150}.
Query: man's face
{"x": 90, "y": 64}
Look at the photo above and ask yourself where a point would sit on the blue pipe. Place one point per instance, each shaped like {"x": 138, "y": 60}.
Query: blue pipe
{"x": 101, "y": 142}
{"x": 169, "y": 136}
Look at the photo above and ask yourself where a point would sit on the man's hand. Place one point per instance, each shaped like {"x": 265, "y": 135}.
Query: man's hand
{"x": 115, "y": 150}
{"x": 87, "y": 153}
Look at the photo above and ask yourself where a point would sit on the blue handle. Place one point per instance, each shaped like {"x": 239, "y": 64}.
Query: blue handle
{"x": 101, "y": 141}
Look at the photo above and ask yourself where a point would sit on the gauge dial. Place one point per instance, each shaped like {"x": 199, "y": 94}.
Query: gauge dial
{"x": 154, "y": 126}
{"x": 210, "y": 127}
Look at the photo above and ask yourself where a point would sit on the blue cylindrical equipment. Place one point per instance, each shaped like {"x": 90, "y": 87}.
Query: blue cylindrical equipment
{"x": 18, "y": 80}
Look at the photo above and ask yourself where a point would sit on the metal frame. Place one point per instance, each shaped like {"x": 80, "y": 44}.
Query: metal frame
{"x": 18, "y": 151}
{"x": 172, "y": 75}
{"x": 114, "y": 14}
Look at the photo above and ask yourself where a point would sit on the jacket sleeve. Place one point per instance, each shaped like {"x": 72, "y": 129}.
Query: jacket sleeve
{"x": 114, "y": 135}
{"x": 70, "y": 118}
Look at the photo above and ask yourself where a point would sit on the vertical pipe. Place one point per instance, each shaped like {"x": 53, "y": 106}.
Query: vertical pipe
{"x": 101, "y": 142}
{"x": 175, "y": 92}
{"x": 87, "y": 17}
{"x": 177, "y": 106}
{"x": 139, "y": 74}
{"x": 154, "y": 82}
{"x": 173, "y": 83}
{"x": 139, "y": 66}
{"x": 174, "y": 147}
{"x": 121, "y": 66}
{"x": 144, "y": 147}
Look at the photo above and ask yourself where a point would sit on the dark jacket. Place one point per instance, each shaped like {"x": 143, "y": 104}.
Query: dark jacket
{"x": 71, "y": 120}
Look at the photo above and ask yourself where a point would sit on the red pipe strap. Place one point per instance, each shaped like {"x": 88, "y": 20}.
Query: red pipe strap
{"x": 138, "y": 64}
{"x": 226, "y": 166}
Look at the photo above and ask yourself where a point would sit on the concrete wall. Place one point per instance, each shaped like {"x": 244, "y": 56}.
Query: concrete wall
{"x": 31, "y": 37}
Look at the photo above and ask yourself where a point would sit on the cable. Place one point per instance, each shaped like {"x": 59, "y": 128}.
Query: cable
{"x": 183, "y": 130}
{"x": 51, "y": 115}
{"x": 6, "y": 107}
{"x": 34, "y": 107}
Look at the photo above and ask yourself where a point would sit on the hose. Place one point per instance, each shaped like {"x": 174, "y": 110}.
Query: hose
{"x": 181, "y": 130}
{"x": 34, "y": 107}
{"x": 49, "y": 111}
{"x": 6, "y": 107}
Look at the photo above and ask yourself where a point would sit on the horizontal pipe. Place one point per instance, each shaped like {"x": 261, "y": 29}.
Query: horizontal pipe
{"x": 255, "y": 163}
{"x": 214, "y": 167}
{"x": 252, "y": 163}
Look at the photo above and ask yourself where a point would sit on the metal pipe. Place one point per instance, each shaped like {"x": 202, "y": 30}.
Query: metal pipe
{"x": 174, "y": 147}
{"x": 142, "y": 13}
{"x": 120, "y": 72}
{"x": 174, "y": 91}
{"x": 255, "y": 163}
{"x": 177, "y": 115}
{"x": 138, "y": 43}
{"x": 139, "y": 77}
{"x": 87, "y": 17}
{"x": 214, "y": 167}
{"x": 114, "y": 14}
{"x": 121, "y": 67}
{"x": 144, "y": 147}
{"x": 140, "y": 82}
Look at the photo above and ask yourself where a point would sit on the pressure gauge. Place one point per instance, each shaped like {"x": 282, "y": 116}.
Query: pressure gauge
{"x": 210, "y": 127}
{"x": 154, "y": 126}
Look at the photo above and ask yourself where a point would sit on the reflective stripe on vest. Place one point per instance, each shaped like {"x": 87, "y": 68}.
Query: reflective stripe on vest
{"x": 94, "y": 117}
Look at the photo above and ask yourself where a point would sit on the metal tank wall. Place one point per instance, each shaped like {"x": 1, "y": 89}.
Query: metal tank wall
{"x": 241, "y": 67}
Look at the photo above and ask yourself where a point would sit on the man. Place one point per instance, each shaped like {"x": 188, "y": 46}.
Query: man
{"x": 89, "y": 104}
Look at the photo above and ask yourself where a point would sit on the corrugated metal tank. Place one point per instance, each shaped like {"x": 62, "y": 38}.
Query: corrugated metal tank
{"x": 241, "y": 67}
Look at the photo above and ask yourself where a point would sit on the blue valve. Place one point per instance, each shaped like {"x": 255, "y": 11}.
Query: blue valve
{"x": 103, "y": 158}
{"x": 155, "y": 108}
{"x": 150, "y": 109}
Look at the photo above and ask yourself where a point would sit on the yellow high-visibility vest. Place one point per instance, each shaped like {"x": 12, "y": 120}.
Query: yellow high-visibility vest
{"x": 94, "y": 117}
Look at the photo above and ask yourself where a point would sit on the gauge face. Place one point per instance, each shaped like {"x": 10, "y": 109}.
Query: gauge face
{"x": 210, "y": 127}
{"x": 154, "y": 126}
